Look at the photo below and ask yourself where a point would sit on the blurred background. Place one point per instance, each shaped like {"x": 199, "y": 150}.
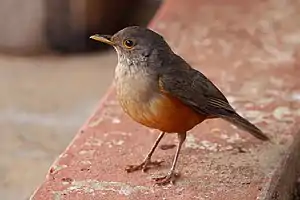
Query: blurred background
{"x": 52, "y": 77}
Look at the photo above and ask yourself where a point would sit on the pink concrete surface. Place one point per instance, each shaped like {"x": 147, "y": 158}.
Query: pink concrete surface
{"x": 251, "y": 51}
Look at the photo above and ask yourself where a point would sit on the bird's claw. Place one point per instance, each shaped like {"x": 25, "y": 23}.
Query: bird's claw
{"x": 164, "y": 180}
{"x": 144, "y": 166}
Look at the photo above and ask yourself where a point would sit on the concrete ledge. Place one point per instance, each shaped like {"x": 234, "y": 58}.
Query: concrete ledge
{"x": 251, "y": 51}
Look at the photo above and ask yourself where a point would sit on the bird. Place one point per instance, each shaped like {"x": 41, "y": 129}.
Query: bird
{"x": 159, "y": 89}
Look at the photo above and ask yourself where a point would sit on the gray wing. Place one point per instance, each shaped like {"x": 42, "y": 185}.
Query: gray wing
{"x": 194, "y": 89}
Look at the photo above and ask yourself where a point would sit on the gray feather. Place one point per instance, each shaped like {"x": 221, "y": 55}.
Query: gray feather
{"x": 197, "y": 91}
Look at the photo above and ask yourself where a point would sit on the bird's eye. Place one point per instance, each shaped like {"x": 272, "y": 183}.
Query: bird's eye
{"x": 128, "y": 43}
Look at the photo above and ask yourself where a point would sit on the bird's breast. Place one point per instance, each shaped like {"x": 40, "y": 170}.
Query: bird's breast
{"x": 140, "y": 97}
{"x": 134, "y": 84}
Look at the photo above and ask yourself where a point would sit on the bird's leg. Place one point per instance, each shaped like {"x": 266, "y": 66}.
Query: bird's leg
{"x": 144, "y": 166}
{"x": 171, "y": 176}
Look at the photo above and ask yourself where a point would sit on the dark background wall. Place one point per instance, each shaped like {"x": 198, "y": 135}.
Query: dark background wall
{"x": 65, "y": 26}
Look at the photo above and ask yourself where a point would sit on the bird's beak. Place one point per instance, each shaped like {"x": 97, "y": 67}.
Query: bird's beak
{"x": 102, "y": 38}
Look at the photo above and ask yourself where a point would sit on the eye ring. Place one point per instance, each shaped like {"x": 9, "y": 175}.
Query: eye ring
{"x": 128, "y": 43}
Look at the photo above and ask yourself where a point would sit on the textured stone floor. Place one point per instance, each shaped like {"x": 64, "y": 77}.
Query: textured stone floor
{"x": 251, "y": 51}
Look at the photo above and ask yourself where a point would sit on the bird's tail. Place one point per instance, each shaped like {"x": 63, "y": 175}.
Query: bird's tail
{"x": 244, "y": 124}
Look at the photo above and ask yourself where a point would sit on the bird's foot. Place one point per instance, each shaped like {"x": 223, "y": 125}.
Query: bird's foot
{"x": 144, "y": 166}
{"x": 168, "y": 178}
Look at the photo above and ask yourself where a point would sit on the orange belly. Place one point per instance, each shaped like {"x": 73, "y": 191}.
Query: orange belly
{"x": 164, "y": 113}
